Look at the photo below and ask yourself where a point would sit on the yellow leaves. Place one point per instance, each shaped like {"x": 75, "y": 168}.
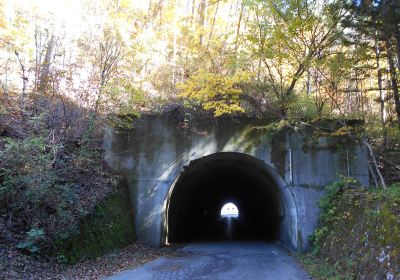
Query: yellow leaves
{"x": 2, "y": 16}
{"x": 3, "y": 26}
{"x": 343, "y": 131}
{"x": 221, "y": 108}
{"x": 215, "y": 92}
{"x": 125, "y": 4}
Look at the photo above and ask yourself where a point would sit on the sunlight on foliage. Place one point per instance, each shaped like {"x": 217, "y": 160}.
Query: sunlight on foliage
{"x": 369, "y": 235}
{"x": 214, "y": 92}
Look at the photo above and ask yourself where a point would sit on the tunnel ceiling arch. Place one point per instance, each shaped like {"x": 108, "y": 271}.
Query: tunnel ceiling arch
{"x": 195, "y": 202}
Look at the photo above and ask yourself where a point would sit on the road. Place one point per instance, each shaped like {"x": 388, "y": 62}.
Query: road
{"x": 220, "y": 261}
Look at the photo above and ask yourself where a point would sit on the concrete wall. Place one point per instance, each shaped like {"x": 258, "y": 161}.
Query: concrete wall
{"x": 155, "y": 151}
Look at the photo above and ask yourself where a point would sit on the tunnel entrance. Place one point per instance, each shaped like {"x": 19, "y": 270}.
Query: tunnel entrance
{"x": 196, "y": 200}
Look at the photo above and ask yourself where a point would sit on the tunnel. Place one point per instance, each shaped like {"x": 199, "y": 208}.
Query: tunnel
{"x": 264, "y": 210}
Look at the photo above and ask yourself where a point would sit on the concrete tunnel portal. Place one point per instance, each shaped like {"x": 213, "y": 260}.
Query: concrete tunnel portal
{"x": 266, "y": 206}
{"x": 179, "y": 178}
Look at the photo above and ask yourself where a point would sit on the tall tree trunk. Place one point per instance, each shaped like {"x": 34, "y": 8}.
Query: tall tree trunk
{"x": 238, "y": 28}
{"x": 161, "y": 14}
{"x": 374, "y": 162}
{"x": 397, "y": 37}
{"x": 381, "y": 93}
{"x": 308, "y": 83}
{"x": 149, "y": 11}
{"x": 45, "y": 71}
{"x": 24, "y": 81}
{"x": 193, "y": 9}
{"x": 24, "y": 77}
{"x": 38, "y": 58}
{"x": 202, "y": 11}
{"x": 212, "y": 25}
{"x": 259, "y": 68}
{"x": 394, "y": 83}
{"x": 358, "y": 94}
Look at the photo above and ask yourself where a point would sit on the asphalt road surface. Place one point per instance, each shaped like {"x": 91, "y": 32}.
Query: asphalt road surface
{"x": 222, "y": 260}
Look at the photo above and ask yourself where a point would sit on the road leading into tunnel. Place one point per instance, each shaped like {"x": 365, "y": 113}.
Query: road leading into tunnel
{"x": 220, "y": 261}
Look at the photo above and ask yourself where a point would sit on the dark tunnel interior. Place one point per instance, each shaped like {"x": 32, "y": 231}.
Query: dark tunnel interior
{"x": 207, "y": 184}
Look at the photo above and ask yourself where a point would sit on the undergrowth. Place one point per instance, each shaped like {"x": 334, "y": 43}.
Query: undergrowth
{"x": 52, "y": 175}
{"x": 358, "y": 236}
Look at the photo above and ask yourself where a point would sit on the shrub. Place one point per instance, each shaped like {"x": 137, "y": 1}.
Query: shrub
{"x": 366, "y": 224}
{"x": 47, "y": 184}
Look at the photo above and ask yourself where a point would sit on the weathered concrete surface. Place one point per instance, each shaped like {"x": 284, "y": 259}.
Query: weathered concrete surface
{"x": 154, "y": 153}
{"x": 220, "y": 261}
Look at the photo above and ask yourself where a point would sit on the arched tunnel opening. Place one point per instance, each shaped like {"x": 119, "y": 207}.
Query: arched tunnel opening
{"x": 207, "y": 184}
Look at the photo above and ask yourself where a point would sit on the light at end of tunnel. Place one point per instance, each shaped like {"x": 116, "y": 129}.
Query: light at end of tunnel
{"x": 229, "y": 210}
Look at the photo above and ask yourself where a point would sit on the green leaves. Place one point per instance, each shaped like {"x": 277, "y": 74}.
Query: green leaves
{"x": 31, "y": 243}
{"x": 288, "y": 37}
{"x": 45, "y": 184}
{"x": 124, "y": 97}
{"x": 365, "y": 222}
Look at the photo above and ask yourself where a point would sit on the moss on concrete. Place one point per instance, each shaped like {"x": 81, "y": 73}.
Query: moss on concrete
{"x": 110, "y": 226}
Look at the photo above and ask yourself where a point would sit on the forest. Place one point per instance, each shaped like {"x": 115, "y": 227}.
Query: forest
{"x": 299, "y": 59}
{"x": 70, "y": 68}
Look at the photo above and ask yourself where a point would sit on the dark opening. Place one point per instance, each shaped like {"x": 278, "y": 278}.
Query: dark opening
{"x": 207, "y": 184}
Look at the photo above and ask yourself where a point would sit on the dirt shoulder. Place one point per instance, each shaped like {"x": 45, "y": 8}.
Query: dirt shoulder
{"x": 14, "y": 265}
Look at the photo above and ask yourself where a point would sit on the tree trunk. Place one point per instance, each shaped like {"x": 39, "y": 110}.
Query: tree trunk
{"x": 149, "y": 11}
{"x": 238, "y": 28}
{"x": 394, "y": 84}
{"x": 300, "y": 70}
{"x": 202, "y": 10}
{"x": 381, "y": 93}
{"x": 308, "y": 83}
{"x": 45, "y": 71}
{"x": 374, "y": 162}
{"x": 24, "y": 81}
{"x": 23, "y": 95}
{"x": 212, "y": 25}
{"x": 397, "y": 37}
{"x": 193, "y": 9}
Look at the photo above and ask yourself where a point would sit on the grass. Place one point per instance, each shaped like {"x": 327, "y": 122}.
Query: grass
{"x": 320, "y": 269}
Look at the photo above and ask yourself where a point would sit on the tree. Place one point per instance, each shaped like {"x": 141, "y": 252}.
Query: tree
{"x": 215, "y": 92}
{"x": 43, "y": 65}
{"x": 288, "y": 36}
{"x": 380, "y": 19}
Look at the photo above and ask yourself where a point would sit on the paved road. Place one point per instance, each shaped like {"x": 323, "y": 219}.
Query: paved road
{"x": 220, "y": 261}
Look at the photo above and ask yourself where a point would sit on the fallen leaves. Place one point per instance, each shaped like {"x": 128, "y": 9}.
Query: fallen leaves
{"x": 14, "y": 265}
